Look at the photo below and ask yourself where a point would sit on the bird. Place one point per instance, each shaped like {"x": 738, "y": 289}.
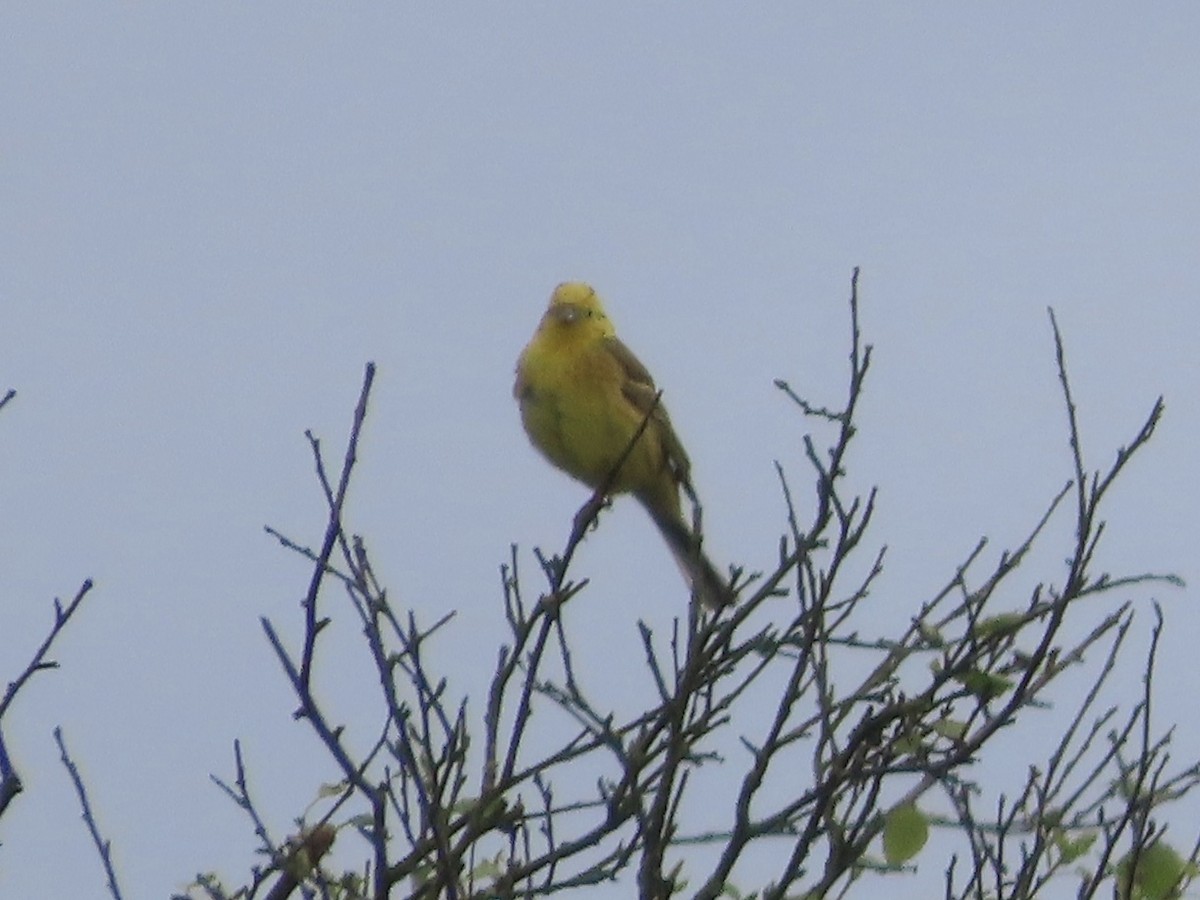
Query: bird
{"x": 584, "y": 399}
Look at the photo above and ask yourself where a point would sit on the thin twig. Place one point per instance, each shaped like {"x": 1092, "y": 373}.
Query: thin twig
{"x": 10, "y": 780}
{"x": 103, "y": 846}
{"x": 333, "y": 530}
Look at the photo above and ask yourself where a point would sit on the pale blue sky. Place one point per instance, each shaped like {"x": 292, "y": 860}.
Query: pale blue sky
{"x": 213, "y": 214}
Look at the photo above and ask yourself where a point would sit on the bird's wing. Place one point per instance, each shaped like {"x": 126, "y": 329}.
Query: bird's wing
{"x": 638, "y": 388}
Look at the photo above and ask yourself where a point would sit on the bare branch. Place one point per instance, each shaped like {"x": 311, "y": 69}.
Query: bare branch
{"x": 10, "y": 781}
{"x": 103, "y": 846}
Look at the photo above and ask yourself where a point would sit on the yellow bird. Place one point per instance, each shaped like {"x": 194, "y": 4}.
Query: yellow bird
{"x": 583, "y": 396}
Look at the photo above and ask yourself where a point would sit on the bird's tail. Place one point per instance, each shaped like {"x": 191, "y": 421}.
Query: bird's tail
{"x": 698, "y": 571}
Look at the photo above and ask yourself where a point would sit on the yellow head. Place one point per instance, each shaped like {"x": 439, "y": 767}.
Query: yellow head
{"x": 575, "y": 302}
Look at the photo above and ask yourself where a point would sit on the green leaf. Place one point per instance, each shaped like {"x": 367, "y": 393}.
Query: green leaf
{"x": 674, "y": 880}
{"x": 999, "y": 626}
{"x": 907, "y": 744}
{"x": 984, "y": 685}
{"x": 1159, "y": 872}
{"x": 930, "y": 635}
{"x": 331, "y": 789}
{"x": 905, "y": 831}
{"x": 953, "y": 729}
{"x": 1072, "y": 848}
{"x": 489, "y": 869}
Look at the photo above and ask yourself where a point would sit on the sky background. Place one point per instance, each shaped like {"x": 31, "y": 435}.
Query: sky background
{"x": 213, "y": 215}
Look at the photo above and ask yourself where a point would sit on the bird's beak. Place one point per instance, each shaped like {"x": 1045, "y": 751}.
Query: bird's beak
{"x": 566, "y": 313}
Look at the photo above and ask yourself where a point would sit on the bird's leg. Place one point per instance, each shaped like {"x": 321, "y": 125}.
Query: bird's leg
{"x": 587, "y": 515}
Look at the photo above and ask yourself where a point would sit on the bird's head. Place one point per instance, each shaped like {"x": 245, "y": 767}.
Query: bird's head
{"x": 574, "y": 302}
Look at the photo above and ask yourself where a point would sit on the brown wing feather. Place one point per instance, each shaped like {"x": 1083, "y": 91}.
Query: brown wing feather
{"x": 638, "y": 388}
{"x": 634, "y": 370}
